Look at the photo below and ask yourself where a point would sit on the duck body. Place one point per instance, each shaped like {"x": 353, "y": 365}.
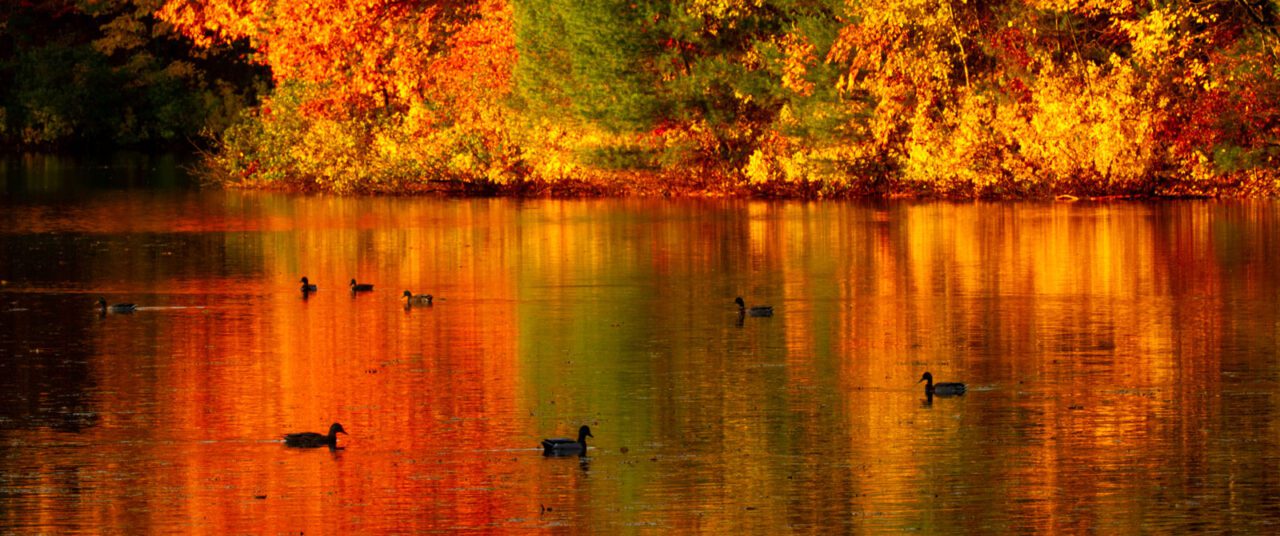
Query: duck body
{"x": 563, "y": 446}
{"x": 756, "y": 310}
{"x": 360, "y": 287}
{"x": 116, "y": 307}
{"x": 941, "y": 389}
{"x": 417, "y": 299}
{"x": 310, "y": 440}
{"x": 307, "y": 286}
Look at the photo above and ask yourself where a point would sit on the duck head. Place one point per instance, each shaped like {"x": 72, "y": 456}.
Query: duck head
{"x": 927, "y": 377}
{"x": 336, "y": 429}
{"x": 741, "y": 304}
{"x": 102, "y": 302}
{"x": 584, "y": 433}
{"x": 408, "y": 294}
{"x": 353, "y": 281}
{"x": 304, "y": 280}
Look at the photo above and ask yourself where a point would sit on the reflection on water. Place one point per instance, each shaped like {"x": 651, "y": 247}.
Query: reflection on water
{"x": 1121, "y": 360}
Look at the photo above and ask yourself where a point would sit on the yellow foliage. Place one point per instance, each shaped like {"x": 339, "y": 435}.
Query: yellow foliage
{"x": 795, "y": 168}
{"x": 758, "y": 169}
{"x": 722, "y": 13}
{"x": 800, "y": 55}
{"x": 938, "y": 94}
{"x": 1103, "y": 125}
{"x": 1152, "y": 36}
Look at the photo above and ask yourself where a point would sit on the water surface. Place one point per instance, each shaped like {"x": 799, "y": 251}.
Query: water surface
{"x": 1122, "y": 362}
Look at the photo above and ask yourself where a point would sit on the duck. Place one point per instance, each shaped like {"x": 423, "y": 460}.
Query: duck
{"x": 310, "y": 440}
{"x": 360, "y": 287}
{"x": 755, "y": 310}
{"x": 563, "y": 446}
{"x": 307, "y": 286}
{"x": 116, "y": 307}
{"x": 941, "y": 389}
{"x": 419, "y": 299}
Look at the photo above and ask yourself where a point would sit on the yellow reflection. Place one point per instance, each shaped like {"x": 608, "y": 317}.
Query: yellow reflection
{"x": 1094, "y": 339}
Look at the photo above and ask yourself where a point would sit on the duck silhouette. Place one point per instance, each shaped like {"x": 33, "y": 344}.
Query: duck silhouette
{"x": 310, "y": 440}
{"x": 419, "y": 299}
{"x": 563, "y": 446}
{"x": 756, "y": 310}
{"x": 115, "y": 307}
{"x": 307, "y": 286}
{"x": 941, "y": 389}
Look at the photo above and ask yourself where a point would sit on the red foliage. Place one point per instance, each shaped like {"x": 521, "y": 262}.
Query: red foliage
{"x": 1010, "y": 47}
{"x": 363, "y": 53}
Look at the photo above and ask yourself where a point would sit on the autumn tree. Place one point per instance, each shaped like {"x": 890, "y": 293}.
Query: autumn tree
{"x": 363, "y": 54}
{"x": 957, "y": 97}
{"x": 1035, "y": 96}
{"x": 368, "y": 92}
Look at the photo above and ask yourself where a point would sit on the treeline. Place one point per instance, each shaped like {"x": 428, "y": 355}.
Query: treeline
{"x": 809, "y": 97}
{"x": 100, "y": 74}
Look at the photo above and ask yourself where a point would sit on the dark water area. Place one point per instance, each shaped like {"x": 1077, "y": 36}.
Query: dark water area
{"x": 1122, "y": 362}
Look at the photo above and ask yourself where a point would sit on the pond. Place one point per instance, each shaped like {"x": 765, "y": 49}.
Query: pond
{"x": 1122, "y": 362}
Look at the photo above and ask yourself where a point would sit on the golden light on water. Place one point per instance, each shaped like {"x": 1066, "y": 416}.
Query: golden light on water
{"x": 1117, "y": 355}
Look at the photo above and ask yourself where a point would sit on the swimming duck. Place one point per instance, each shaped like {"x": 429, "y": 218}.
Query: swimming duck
{"x": 941, "y": 389}
{"x": 563, "y": 446}
{"x": 360, "y": 287}
{"x": 420, "y": 299}
{"x": 116, "y": 307}
{"x": 307, "y": 286}
{"x": 310, "y": 440}
{"x": 757, "y": 310}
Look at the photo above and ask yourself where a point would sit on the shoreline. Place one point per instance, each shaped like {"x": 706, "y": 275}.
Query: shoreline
{"x": 652, "y": 187}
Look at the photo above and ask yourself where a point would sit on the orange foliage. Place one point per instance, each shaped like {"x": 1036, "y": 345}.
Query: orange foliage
{"x": 948, "y": 96}
{"x": 364, "y": 53}
{"x": 479, "y": 57}
{"x": 370, "y": 94}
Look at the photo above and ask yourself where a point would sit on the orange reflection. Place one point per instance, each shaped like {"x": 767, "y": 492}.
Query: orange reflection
{"x": 1105, "y": 347}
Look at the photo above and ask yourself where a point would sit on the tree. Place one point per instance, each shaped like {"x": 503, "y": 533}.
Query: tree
{"x": 107, "y": 73}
